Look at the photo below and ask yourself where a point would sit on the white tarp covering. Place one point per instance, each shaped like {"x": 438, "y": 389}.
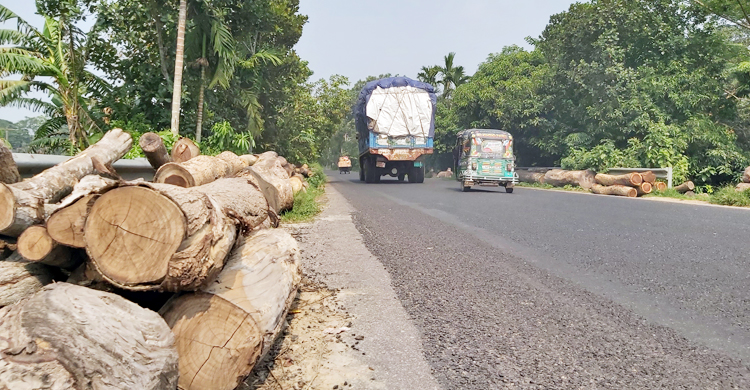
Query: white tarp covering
{"x": 399, "y": 111}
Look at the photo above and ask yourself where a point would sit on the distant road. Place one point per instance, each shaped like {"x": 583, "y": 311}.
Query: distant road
{"x": 548, "y": 289}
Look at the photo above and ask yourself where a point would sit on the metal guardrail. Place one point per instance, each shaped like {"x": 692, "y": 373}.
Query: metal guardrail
{"x": 32, "y": 164}
{"x": 661, "y": 173}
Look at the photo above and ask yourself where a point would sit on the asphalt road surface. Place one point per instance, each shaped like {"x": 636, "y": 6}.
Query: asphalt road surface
{"x": 556, "y": 290}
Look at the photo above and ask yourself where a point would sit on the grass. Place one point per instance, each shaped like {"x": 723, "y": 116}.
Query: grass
{"x": 672, "y": 193}
{"x": 307, "y": 203}
{"x": 728, "y": 196}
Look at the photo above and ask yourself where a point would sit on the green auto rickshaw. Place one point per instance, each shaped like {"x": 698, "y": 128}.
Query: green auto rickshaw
{"x": 485, "y": 157}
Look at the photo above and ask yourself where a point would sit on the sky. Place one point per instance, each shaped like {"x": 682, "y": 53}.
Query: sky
{"x": 361, "y": 38}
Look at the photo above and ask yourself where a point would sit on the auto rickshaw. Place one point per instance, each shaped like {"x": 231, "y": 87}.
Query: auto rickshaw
{"x": 345, "y": 165}
{"x": 484, "y": 157}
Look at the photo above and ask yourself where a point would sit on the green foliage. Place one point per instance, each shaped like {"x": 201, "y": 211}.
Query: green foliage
{"x": 307, "y": 203}
{"x": 728, "y": 196}
{"x": 223, "y": 137}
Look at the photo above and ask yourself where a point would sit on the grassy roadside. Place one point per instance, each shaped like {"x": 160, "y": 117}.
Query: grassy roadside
{"x": 307, "y": 203}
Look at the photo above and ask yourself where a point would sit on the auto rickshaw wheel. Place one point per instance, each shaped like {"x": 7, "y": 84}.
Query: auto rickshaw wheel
{"x": 509, "y": 190}
{"x": 464, "y": 188}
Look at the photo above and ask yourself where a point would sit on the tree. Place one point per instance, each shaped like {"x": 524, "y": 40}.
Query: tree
{"x": 178, "y": 67}
{"x": 57, "y": 53}
{"x": 451, "y": 76}
{"x": 429, "y": 75}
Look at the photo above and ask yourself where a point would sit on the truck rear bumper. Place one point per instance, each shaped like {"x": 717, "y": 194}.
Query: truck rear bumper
{"x": 400, "y": 154}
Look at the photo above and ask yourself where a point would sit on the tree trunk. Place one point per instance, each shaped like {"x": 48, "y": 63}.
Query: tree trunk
{"x": 22, "y": 204}
{"x": 8, "y": 245}
{"x": 199, "y": 121}
{"x": 250, "y": 159}
{"x": 154, "y": 149}
{"x": 644, "y": 188}
{"x": 222, "y": 332}
{"x": 742, "y": 187}
{"x": 178, "y": 67}
{"x": 277, "y": 191}
{"x": 660, "y": 186}
{"x": 648, "y": 177}
{"x": 298, "y": 183}
{"x": 36, "y": 245}
{"x": 561, "y": 178}
{"x": 20, "y": 279}
{"x": 685, "y": 187}
{"x": 632, "y": 179}
{"x": 199, "y": 170}
{"x": 72, "y": 337}
{"x": 184, "y": 149}
{"x": 530, "y": 177}
{"x": 616, "y": 189}
{"x": 160, "y": 41}
{"x": 8, "y": 170}
{"x": 746, "y": 175}
{"x": 163, "y": 237}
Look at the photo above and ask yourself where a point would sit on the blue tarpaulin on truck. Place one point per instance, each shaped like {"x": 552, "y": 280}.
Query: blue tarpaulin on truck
{"x": 415, "y": 108}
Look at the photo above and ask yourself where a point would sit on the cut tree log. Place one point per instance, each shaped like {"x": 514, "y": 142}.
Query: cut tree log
{"x": 616, "y": 189}
{"x": 222, "y": 332}
{"x": 200, "y": 170}
{"x": 8, "y": 169}
{"x": 8, "y": 245}
{"x": 163, "y": 237}
{"x": 746, "y": 175}
{"x": 648, "y": 177}
{"x": 659, "y": 186}
{"x": 23, "y": 204}
{"x": 65, "y": 224}
{"x": 154, "y": 149}
{"x": 685, "y": 187}
{"x": 632, "y": 179}
{"x": 36, "y": 245}
{"x": 250, "y": 159}
{"x": 644, "y": 189}
{"x": 530, "y": 177}
{"x": 72, "y": 337}
{"x": 560, "y": 178}
{"x": 298, "y": 182}
{"x": 20, "y": 279}
{"x": 184, "y": 149}
{"x": 690, "y": 194}
{"x": 742, "y": 187}
{"x": 277, "y": 191}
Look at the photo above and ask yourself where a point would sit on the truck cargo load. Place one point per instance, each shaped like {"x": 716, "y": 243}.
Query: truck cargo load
{"x": 395, "y": 120}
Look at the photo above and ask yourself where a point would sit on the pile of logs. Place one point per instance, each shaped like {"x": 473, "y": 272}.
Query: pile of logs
{"x": 631, "y": 184}
{"x": 201, "y": 237}
{"x": 745, "y": 185}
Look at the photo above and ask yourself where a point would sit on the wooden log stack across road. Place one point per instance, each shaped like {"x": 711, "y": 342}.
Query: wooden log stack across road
{"x": 207, "y": 236}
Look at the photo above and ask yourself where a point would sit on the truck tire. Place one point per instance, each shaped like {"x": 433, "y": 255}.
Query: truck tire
{"x": 416, "y": 175}
{"x": 371, "y": 173}
{"x": 362, "y": 169}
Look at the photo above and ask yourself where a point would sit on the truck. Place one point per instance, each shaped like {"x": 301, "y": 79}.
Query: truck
{"x": 395, "y": 122}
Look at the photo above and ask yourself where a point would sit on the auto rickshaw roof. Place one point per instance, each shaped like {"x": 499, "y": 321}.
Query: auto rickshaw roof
{"x": 464, "y": 133}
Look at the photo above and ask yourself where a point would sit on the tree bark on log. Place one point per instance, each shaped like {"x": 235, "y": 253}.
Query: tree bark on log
{"x": 277, "y": 191}
{"x": 644, "y": 189}
{"x": 616, "y": 189}
{"x": 154, "y": 149}
{"x": 249, "y": 159}
{"x": 22, "y": 204}
{"x": 659, "y": 186}
{"x": 20, "y": 279}
{"x": 742, "y": 187}
{"x": 36, "y": 245}
{"x": 8, "y": 245}
{"x": 685, "y": 187}
{"x": 648, "y": 177}
{"x": 155, "y": 236}
{"x": 200, "y": 170}
{"x": 746, "y": 175}
{"x": 8, "y": 169}
{"x": 72, "y": 337}
{"x": 560, "y": 178}
{"x": 530, "y": 177}
{"x": 184, "y": 149}
{"x": 222, "y": 332}
{"x": 632, "y": 179}
{"x": 298, "y": 183}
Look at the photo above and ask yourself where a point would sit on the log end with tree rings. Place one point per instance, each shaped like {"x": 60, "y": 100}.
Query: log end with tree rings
{"x": 184, "y": 149}
{"x": 66, "y": 224}
{"x": 131, "y": 234}
{"x": 174, "y": 174}
{"x": 35, "y": 244}
{"x": 230, "y": 341}
{"x": 7, "y": 207}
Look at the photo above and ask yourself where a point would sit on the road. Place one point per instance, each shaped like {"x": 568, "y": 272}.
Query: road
{"x": 548, "y": 289}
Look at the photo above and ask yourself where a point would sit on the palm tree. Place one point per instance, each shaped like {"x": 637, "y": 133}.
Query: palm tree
{"x": 429, "y": 75}
{"x": 178, "y": 65}
{"x": 452, "y": 76}
{"x": 57, "y": 55}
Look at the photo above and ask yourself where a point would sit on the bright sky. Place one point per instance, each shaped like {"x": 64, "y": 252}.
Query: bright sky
{"x": 358, "y": 38}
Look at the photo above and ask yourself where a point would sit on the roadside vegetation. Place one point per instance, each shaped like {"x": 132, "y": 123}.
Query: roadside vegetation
{"x": 307, "y": 204}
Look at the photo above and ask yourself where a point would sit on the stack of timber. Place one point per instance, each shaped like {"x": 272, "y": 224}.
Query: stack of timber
{"x": 200, "y": 236}
{"x": 745, "y": 185}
